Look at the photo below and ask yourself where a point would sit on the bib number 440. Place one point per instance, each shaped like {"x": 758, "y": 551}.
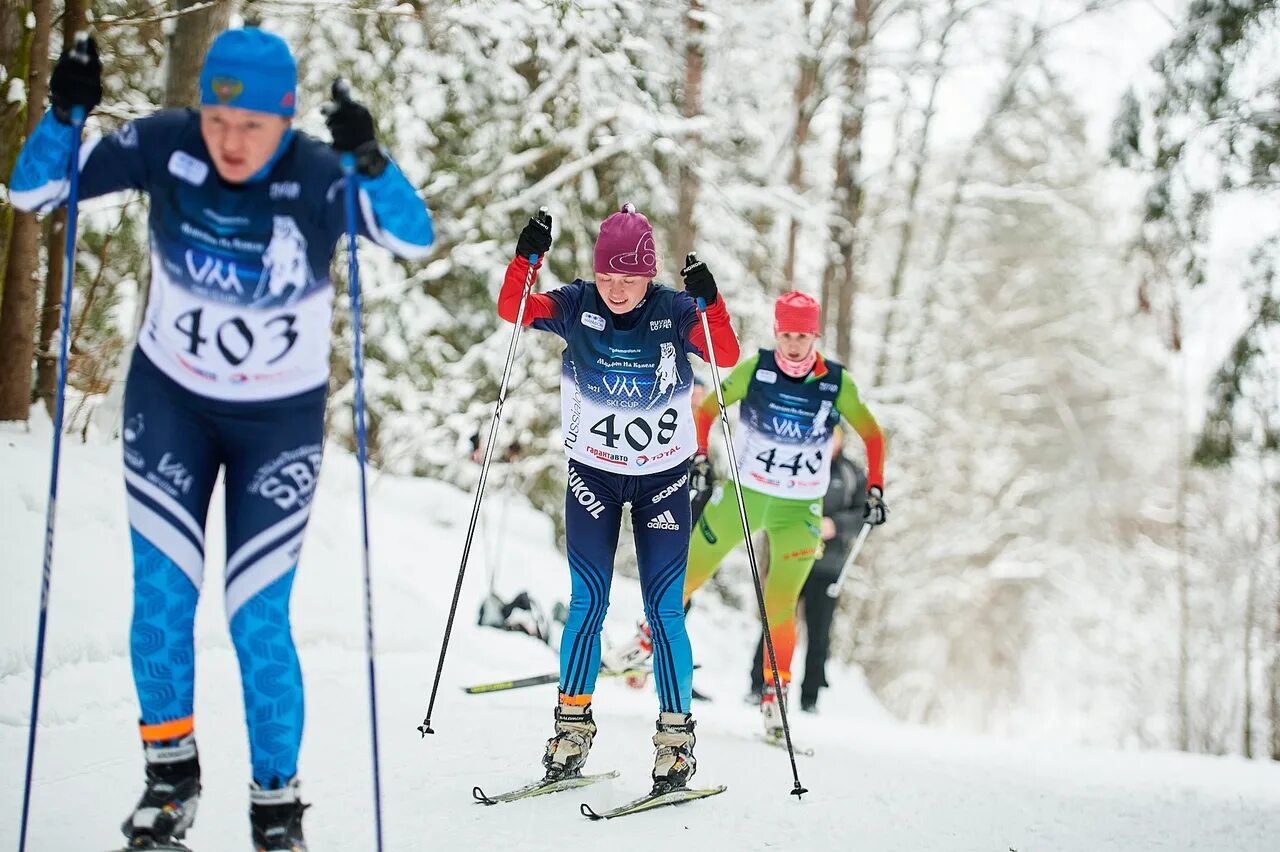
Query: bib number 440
{"x": 811, "y": 463}
{"x": 638, "y": 433}
{"x": 234, "y": 338}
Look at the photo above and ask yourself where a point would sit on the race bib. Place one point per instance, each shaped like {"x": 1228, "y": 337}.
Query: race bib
{"x": 620, "y": 433}
{"x": 795, "y": 471}
{"x": 235, "y": 352}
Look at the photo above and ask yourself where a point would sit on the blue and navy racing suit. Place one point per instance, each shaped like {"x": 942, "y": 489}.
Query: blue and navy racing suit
{"x": 230, "y": 372}
{"x": 626, "y": 414}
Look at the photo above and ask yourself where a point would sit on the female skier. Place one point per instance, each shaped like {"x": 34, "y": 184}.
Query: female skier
{"x": 628, "y": 432}
{"x": 792, "y": 400}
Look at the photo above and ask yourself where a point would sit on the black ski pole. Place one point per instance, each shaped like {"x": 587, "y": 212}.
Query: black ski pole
{"x": 425, "y": 727}
{"x": 797, "y": 790}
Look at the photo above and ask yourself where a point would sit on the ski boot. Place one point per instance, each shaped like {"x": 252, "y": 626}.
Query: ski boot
{"x": 771, "y": 713}
{"x": 168, "y": 804}
{"x": 634, "y": 655}
{"x": 276, "y": 818}
{"x": 567, "y": 751}
{"x": 673, "y": 763}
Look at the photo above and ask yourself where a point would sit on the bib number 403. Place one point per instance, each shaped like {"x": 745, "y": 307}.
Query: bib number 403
{"x": 234, "y": 338}
{"x": 638, "y": 433}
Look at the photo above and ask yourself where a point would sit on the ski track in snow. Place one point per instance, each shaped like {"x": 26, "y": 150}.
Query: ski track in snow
{"x": 874, "y": 784}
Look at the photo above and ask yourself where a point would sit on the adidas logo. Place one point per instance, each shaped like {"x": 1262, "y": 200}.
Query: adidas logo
{"x": 665, "y": 521}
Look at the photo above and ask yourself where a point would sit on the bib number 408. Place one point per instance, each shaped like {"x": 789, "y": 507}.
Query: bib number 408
{"x": 234, "y": 338}
{"x": 637, "y": 433}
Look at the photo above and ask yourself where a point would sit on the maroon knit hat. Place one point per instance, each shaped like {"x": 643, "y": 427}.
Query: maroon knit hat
{"x": 625, "y": 245}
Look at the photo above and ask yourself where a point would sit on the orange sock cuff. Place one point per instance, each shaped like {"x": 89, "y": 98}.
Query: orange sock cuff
{"x": 575, "y": 700}
{"x": 161, "y": 731}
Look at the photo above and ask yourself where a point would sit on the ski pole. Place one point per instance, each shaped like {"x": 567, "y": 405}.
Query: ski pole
{"x": 833, "y": 590}
{"x": 68, "y": 276}
{"x": 797, "y": 790}
{"x": 425, "y": 727}
{"x": 350, "y": 183}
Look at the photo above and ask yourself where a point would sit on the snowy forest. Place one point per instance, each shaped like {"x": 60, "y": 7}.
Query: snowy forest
{"x": 1044, "y": 232}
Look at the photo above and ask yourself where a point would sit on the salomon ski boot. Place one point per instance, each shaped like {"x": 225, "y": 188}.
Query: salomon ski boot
{"x": 168, "y": 804}
{"x": 276, "y": 818}
{"x": 673, "y": 763}
{"x": 567, "y": 751}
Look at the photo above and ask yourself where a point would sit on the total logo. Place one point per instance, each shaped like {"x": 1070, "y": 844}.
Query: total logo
{"x": 641, "y": 461}
{"x": 665, "y": 521}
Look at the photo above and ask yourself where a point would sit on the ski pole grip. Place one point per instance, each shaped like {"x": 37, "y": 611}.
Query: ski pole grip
{"x": 689, "y": 260}
{"x": 544, "y": 218}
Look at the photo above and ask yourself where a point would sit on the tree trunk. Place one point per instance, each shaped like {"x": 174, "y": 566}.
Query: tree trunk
{"x": 75, "y": 18}
{"x": 188, "y": 43}
{"x": 805, "y": 105}
{"x": 686, "y": 235}
{"x": 1184, "y": 579}
{"x": 842, "y": 282}
{"x": 1250, "y": 612}
{"x": 1008, "y": 90}
{"x": 55, "y": 229}
{"x": 18, "y": 308}
{"x": 15, "y": 53}
{"x": 907, "y": 232}
{"x": 1273, "y": 691}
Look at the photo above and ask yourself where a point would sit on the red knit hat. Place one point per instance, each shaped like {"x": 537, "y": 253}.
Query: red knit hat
{"x": 625, "y": 245}
{"x": 796, "y": 312}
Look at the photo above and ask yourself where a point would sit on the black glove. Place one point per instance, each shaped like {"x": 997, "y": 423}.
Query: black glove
{"x": 875, "y": 512}
{"x": 76, "y": 80}
{"x": 536, "y": 236}
{"x": 702, "y": 475}
{"x": 351, "y": 126}
{"x": 698, "y": 280}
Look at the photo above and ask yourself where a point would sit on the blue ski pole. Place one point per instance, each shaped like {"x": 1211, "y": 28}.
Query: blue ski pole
{"x": 68, "y": 275}
{"x": 350, "y": 189}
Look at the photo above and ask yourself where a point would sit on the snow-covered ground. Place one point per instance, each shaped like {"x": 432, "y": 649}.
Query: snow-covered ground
{"x": 875, "y": 784}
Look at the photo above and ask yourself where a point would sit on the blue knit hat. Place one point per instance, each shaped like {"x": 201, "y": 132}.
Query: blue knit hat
{"x": 250, "y": 69}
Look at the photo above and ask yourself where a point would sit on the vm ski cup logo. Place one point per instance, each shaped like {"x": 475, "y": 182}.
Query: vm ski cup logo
{"x": 227, "y": 89}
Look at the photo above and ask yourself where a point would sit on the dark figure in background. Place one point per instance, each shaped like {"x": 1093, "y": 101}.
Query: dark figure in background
{"x": 845, "y": 508}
